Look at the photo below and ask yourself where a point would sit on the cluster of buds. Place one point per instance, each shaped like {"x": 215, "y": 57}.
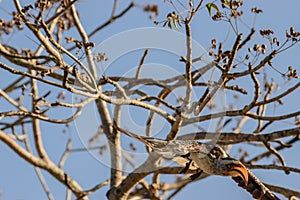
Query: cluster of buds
{"x": 213, "y": 43}
{"x": 100, "y": 57}
{"x": 43, "y": 4}
{"x": 258, "y": 48}
{"x": 235, "y": 4}
{"x": 220, "y": 55}
{"x": 7, "y": 26}
{"x": 292, "y": 73}
{"x": 266, "y": 32}
{"x": 217, "y": 16}
{"x": 80, "y": 44}
{"x": 292, "y": 34}
{"x": 27, "y": 52}
{"x": 256, "y": 10}
{"x": 236, "y": 14}
{"x": 65, "y": 22}
{"x": 27, "y": 8}
{"x": 152, "y": 9}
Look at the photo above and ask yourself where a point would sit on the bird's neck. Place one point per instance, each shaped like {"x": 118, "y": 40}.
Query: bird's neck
{"x": 204, "y": 162}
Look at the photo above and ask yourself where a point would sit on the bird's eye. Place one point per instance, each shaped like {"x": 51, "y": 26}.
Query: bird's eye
{"x": 229, "y": 166}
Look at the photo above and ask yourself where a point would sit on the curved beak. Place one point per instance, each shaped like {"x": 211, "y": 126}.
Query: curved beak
{"x": 239, "y": 170}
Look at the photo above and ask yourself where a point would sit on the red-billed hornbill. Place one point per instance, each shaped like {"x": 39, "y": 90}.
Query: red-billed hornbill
{"x": 208, "y": 158}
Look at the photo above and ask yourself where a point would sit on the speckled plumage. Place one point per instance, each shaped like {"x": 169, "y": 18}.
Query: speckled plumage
{"x": 211, "y": 159}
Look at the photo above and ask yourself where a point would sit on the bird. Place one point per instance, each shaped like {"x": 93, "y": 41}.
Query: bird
{"x": 209, "y": 158}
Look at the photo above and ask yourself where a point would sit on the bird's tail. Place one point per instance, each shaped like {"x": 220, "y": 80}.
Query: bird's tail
{"x": 153, "y": 143}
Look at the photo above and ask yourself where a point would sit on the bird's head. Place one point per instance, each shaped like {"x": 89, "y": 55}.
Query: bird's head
{"x": 234, "y": 168}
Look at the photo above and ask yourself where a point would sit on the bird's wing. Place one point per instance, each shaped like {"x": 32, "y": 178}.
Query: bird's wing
{"x": 256, "y": 188}
{"x": 170, "y": 149}
{"x": 182, "y": 161}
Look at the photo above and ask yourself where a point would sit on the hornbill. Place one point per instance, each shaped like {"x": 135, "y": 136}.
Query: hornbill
{"x": 208, "y": 158}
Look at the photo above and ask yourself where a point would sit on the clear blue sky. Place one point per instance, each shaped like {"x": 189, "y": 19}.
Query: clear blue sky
{"x": 18, "y": 180}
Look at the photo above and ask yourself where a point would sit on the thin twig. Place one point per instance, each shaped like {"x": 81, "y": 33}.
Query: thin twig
{"x": 35, "y": 122}
{"x": 36, "y": 169}
{"x": 282, "y": 168}
{"x": 118, "y": 87}
{"x": 275, "y": 152}
{"x": 243, "y": 137}
{"x": 65, "y": 154}
{"x": 278, "y": 97}
{"x": 138, "y": 71}
{"x": 188, "y": 65}
{"x": 95, "y": 188}
{"x": 11, "y": 101}
{"x": 110, "y": 20}
{"x": 254, "y": 69}
{"x": 58, "y": 14}
{"x": 268, "y": 153}
{"x": 288, "y": 193}
{"x": 40, "y": 116}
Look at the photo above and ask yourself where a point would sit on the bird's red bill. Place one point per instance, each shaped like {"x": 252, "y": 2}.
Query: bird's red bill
{"x": 239, "y": 171}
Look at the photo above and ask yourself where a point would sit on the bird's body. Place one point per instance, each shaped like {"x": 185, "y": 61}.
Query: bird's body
{"x": 209, "y": 158}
